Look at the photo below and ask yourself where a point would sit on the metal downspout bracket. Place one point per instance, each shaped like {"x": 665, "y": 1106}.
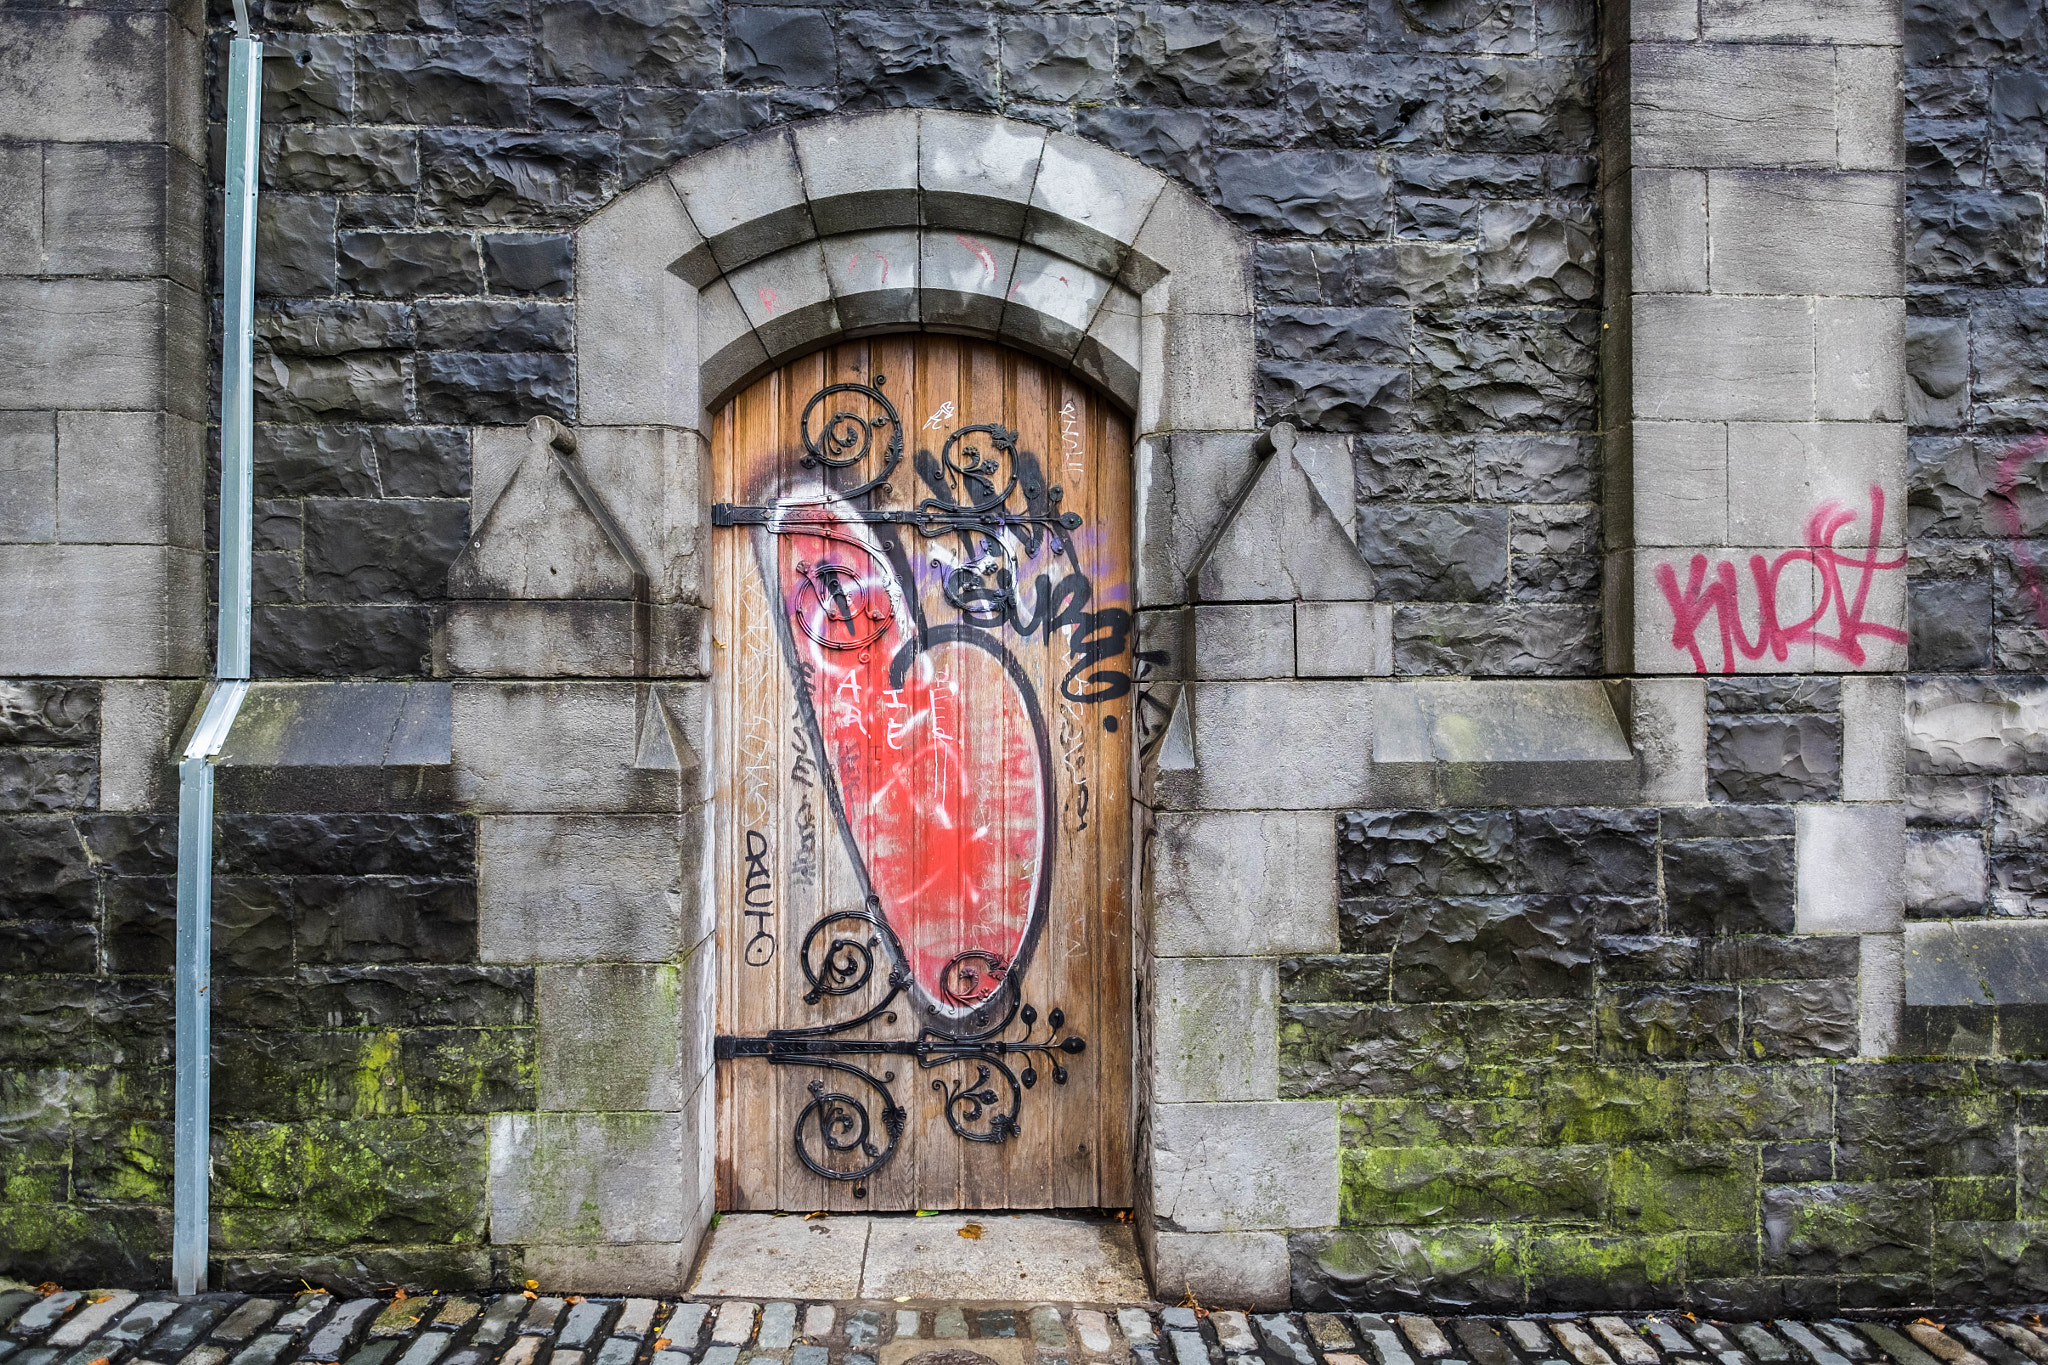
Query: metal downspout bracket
{"x": 192, "y": 1139}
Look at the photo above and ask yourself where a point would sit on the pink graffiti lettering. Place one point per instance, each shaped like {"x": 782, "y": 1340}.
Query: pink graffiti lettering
{"x": 987, "y": 257}
{"x": 768, "y": 302}
{"x": 1721, "y": 598}
{"x": 2015, "y": 527}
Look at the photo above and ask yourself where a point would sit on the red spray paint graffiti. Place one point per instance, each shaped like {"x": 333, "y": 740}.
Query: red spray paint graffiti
{"x": 2029, "y": 573}
{"x": 1722, "y": 598}
{"x": 950, "y": 817}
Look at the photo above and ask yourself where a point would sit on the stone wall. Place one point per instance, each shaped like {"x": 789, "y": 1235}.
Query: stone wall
{"x": 1976, "y": 137}
{"x": 1428, "y": 260}
{"x": 1559, "y": 990}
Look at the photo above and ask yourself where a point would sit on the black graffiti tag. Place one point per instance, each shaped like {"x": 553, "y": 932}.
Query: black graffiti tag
{"x": 760, "y": 898}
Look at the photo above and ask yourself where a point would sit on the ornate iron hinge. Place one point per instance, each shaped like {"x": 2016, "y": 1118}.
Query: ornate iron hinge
{"x": 836, "y": 1136}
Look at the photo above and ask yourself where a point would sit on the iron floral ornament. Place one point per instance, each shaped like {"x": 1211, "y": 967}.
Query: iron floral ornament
{"x": 949, "y": 825}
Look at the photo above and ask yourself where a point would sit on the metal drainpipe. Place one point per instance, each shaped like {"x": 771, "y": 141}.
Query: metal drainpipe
{"x": 192, "y": 1140}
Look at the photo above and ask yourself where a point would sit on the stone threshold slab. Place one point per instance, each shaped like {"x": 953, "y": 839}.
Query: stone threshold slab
{"x": 1017, "y": 1257}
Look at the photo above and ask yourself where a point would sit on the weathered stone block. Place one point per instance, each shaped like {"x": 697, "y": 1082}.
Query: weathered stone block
{"x": 889, "y": 59}
{"x": 1779, "y": 473}
{"x": 1851, "y": 868}
{"x": 312, "y": 159}
{"x": 1250, "y": 641}
{"x": 1533, "y": 640}
{"x": 747, "y": 200}
{"x": 780, "y": 47}
{"x": 1681, "y": 97}
{"x": 1243, "y": 883}
{"x": 1245, "y": 1167}
{"x": 584, "y": 1179}
{"x": 1451, "y": 1269}
{"x": 1059, "y": 58}
{"x": 1411, "y": 1050}
{"x": 860, "y": 173}
{"x": 1774, "y": 758}
{"x": 1983, "y": 962}
{"x": 100, "y": 610}
{"x": 121, "y": 209}
{"x": 1860, "y": 359}
{"x": 607, "y": 42}
{"x": 1086, "y": 205}
{"x": 587, "y": 888}
{"x": 1777, "y": 232}
{"x": 611, "y": 1037}
{"x": 1698, "y": 357}
{"x": 1294, "y": 536}
{"x": 1668, "y": 231}
{"x": 28, "y": 477}
{"x": 1343, "y": 639}
{"x": 1492, "y": 948}
{"x": 1248, "y": 1268}
{"x": 1292, "y": 745}
{"x": 442, "y": 80}
{"x": 1731, "y": 885}
{"x": 115, "y": 344}
{"x": 1214, "y": 1029}
{"x": 140, "y": 722}
{"x": 91, "y": 77}
{"x": 1668, "y": 731}
{"x": 1946, "y": 872}
{"x": 1670, "y": 1023}
{"x": 630, "y": 307}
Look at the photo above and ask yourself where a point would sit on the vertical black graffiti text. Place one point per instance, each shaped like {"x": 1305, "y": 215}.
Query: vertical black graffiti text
{"x": 760, "y": 899}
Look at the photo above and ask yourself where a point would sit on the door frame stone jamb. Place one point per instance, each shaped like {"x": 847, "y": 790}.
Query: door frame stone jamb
{"x": 746, "y": 256}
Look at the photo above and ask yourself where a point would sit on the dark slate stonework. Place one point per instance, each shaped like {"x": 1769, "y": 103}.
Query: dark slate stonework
{"x": 1978, "y": 500}
{"x": 1418, "y": 177}
{"x": 357, "y": 1043}
{"x": 1639, "y": 1093}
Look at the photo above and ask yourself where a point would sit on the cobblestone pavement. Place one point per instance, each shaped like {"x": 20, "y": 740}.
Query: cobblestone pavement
{"x": 108, "y": 1327}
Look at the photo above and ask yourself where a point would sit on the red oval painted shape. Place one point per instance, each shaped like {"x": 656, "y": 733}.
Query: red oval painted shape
{"x": 941, "y": 778}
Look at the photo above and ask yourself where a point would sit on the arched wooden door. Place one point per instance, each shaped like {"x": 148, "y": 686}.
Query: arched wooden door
{"x": 923, "y": 654}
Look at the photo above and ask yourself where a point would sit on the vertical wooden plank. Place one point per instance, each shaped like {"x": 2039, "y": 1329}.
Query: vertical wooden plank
{"x": 1074, "y": 1150}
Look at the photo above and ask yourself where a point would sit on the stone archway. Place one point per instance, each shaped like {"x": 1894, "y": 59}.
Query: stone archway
{"x": 731, "y": 263}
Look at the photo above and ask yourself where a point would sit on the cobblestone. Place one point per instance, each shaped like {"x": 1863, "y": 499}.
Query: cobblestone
{"x": 118, "y": 1327}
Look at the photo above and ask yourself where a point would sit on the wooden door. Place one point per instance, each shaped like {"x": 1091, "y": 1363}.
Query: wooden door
{"x": 923, "y": 641}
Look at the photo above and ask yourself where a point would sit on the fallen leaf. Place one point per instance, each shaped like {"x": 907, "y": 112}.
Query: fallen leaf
{"x": 921, "y": 1213}
{"x": 573, "y": 1298}
{"x": 903, "y": 1298}
{"x": 972, "y": 1232}
{"x": 102, "y": 1360}
{"x": 398, "y": 1295}
{"x": 809, "y": 1216}
{"x": 661, "y": 1343}
{"x": 533, "y": 1284}
{"x": 530, "y": 1294}
{"x": 48, "y": 1287}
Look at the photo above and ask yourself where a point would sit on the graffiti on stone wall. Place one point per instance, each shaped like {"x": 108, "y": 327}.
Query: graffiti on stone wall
{"x": 1842, "y": 577}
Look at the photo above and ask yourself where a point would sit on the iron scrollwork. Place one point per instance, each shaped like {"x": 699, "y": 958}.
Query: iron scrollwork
{"x": 836, "y": 1135}
{"x": 979, "y": 472}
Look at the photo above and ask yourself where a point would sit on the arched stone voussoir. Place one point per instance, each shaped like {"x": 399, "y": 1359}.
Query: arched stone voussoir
{"x": 746, "y": 255}
{"x": 896, "y": 279}
{"x": 973, "y": 173}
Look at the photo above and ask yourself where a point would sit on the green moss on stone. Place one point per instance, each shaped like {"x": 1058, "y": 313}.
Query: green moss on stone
{"x": 1410, "y": 1185}
{"x": 1685, "y": 1188}
{"x": 1613, "y": 1104}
